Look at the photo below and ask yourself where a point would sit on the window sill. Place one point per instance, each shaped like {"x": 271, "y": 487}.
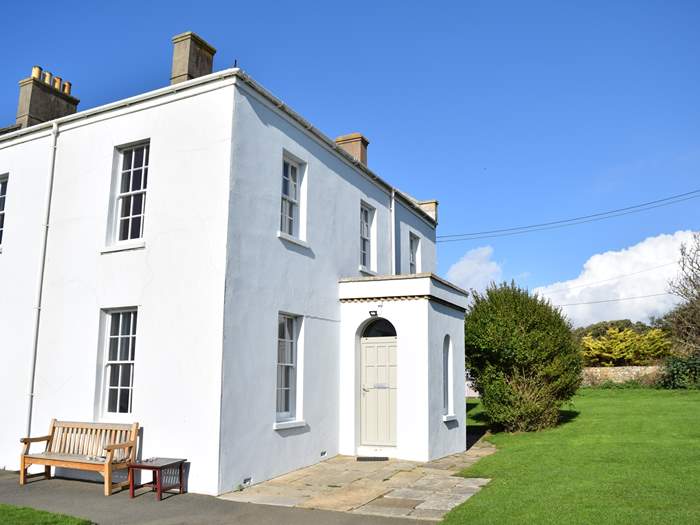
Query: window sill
{"x": 123, "y": 247}
{"x": 284, "y": 425}
{"x": 366, "y": 270}
{"x": 292, "y": 239}
{"x": 449, "y": 417}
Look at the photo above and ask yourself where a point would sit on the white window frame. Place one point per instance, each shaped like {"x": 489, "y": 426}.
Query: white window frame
{"x": 4, "y": 182}
{"x": 368, "y": 255}
{"x": 291, "y": 339}
{"x": 447, "y": 378}
{"x": 130, "y": 360}
{"x": 413, "y": 253}
{"x": 290, "y": 202}
{"x": 131, "y": 194}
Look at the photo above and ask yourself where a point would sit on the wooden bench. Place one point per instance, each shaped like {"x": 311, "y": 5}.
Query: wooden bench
{"x": 96, "y": 447}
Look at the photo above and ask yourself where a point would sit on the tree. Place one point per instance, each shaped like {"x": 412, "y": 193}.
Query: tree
{"x": 600, "y": 328}
{"x": 684, "y": 320}
{"x": 522, "y": 355}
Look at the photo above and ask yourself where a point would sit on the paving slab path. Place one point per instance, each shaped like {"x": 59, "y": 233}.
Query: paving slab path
{"x": 84, "y": 499}
{"x": 393, "y": 488}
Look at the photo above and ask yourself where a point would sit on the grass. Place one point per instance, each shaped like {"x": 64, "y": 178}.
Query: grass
{"x": 620, "y": 456}
{"x": 12, "y": 515}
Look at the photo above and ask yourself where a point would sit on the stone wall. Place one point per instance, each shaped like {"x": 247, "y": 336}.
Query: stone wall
{"x": 593, "y": 376}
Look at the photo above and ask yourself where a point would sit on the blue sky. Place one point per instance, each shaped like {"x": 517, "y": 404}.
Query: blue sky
{"x": 508, "y": 113}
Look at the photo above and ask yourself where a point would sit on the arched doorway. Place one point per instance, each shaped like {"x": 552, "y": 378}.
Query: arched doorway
{"x": 378, "y": 384}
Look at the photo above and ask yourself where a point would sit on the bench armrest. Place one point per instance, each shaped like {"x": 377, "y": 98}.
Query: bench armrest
{"x": 27, "y": 442}
{"x": 129, "y": 454}
{"x": 34, "y": 440}
{"x": 115, "y": 446}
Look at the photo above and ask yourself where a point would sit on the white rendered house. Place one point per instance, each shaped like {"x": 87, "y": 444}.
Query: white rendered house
{"x": 204, "y": 261}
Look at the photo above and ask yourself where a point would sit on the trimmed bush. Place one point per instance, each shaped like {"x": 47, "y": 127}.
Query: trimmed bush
{"x": 681, "y": 372}
{"x": 523, "y": 357}
{"x": 625, "y": 347}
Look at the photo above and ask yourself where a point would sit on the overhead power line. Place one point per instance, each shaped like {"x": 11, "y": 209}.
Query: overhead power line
{"x": 617, "y": 300}
{"x": 586, "y": 285}
{"x": 564, "y": 223}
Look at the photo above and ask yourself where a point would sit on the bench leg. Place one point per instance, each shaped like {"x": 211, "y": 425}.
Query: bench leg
{"x": 22, "y": 471}
{"x": 108, "y": 479}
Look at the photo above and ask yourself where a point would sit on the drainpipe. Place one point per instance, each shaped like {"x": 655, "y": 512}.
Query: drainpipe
{"x": 40, "y": 282}
{"x": 393, "y": 231}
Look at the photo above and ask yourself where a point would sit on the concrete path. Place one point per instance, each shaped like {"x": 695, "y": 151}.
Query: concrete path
{"x": 423, "y": 491}
{"x": 84, "y": 499}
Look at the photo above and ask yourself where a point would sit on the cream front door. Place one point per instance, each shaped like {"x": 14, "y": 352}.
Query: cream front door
{"x": 378, "y": 391}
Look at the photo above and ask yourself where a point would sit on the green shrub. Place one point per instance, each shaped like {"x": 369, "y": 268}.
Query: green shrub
{"x": 625, "y": 347}
{"x": 681, "y": 372}
{"x": 522, "y": 356}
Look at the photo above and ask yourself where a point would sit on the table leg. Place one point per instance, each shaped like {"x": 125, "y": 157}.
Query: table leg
{"x": 159, "y": 478}
{"x": 131, "y": 482}
{"x": 182, "y": 485}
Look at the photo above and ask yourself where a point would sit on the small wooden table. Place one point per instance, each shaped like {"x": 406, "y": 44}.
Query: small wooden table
{"x": 157, "y": 465}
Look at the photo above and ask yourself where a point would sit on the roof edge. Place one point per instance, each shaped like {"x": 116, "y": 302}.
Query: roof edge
{"x": 403, "y": 276}
{"x": 221, "y": 75}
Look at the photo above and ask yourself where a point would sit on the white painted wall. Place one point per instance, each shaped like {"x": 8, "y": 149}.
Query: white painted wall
{"x": 26, "y": 162}
{"x": 421, "y": 325}
{"x": 408, "y": 222}
{"x": 446, "y": 437}
{"x": 176, "y": 280}
{"x": 410, "y": 318}
{"x": 208, "y": 283}
{"x": 267, "y": 275}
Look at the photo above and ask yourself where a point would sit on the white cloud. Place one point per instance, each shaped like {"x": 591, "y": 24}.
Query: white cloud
{"x": 475, "y": 269}
{"x": 652, "y": 263}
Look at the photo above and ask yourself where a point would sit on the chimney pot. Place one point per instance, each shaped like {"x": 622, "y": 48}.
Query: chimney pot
{"x": 192, "y": 57}
{"x": 43, "y": 97}
{"x": 355, "y": 144}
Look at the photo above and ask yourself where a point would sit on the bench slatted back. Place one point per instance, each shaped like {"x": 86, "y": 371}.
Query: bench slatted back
{"x": 89, "y": 439}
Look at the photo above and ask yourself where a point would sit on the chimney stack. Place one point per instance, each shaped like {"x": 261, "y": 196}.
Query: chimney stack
{"x": 355, "y": 144}
{"x": 43, "y": 97}
{"x": 429, "y": 207}
{"x": 192, "y": 57}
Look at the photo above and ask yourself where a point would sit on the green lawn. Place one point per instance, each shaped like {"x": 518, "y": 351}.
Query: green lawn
{"x": 622, "y": 456}
{"x": 12, "y": 515}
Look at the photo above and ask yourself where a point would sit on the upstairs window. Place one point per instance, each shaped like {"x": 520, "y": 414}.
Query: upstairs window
{"x": 3, "y": 195}
{"x": 413, "y": 245}
{"x": 289, "y": 213}
{"x": 366, "y": 214}
{"x": 131, "y": 192}
{"x": 119, "y": 363}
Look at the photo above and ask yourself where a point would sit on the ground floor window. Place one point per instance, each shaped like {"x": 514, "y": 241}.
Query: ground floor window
{"x": 287, "y": 342}
{"x": 447, "y": 376}
{"x": 119, "y": 360}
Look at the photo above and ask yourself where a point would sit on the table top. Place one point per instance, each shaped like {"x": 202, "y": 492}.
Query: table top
{"x": 155, "y": 463}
